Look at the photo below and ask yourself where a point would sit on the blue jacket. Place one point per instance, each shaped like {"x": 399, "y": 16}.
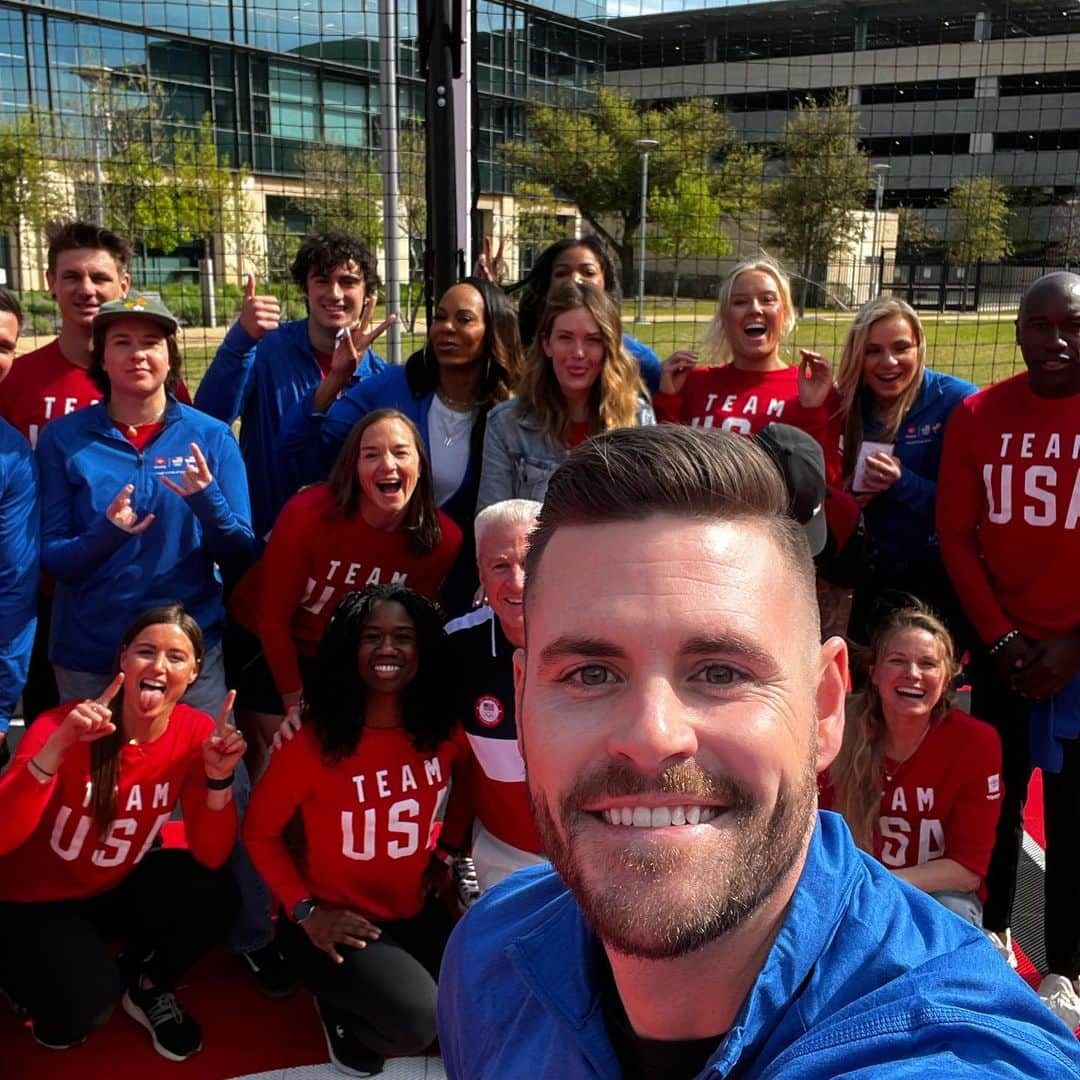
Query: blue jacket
{"x": 901, "y": 520}
{"x": 867, "y": 978}
{"x": 18, "y": 565}
{"x": 258, "y": 381}
{"x": 647, "y": 360}
{"x": 106, "y": 576}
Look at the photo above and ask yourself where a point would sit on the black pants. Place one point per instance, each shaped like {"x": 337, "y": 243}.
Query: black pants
{"x": 40, "y": 692}
{"x": 55, "y": 958}
{"x": 994, "y": 701}
{"x": 384, "y": 993}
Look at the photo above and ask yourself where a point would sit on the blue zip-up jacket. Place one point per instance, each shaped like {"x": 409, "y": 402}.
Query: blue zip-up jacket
{"x": 310, "y": 442}
{"x": 901, "y": 520}
{"x": 648, "y": 362}
{"x": 867, "y": 978}
{"x": 106, "y": 576}
{"x": 18, "y": 565}
{"x": 258, "y": 381}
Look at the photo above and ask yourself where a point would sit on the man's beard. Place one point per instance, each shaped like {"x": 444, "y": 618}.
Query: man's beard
{"x": 660, "y": 901}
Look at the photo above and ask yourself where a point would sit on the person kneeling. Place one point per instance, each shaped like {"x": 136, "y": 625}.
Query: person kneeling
{"x": 88, "y": 792}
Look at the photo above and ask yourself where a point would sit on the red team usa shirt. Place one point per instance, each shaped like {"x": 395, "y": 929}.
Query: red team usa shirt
{"x": 52, "y": 849}
{"x": 44, "y": 384}
{"x": 315, "y": 556}
{"x": 732, "y": 399}
{"x": 1008, "y": 510}
{"x": 368, "y": 821}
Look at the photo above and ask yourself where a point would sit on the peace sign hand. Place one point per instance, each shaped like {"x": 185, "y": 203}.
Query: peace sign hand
{"x": 223, "y": 748}
{"x": 123, "y": 515}
{"x": 91, "y": 719}
{"x": 815, "y": 379}
{"x": 490, "y": 267}
{"x": 196, "y": 477}
{"x": 352, "y": 344}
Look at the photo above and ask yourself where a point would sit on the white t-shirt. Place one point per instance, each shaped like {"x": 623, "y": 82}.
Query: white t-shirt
{"x": 449, "y": 432}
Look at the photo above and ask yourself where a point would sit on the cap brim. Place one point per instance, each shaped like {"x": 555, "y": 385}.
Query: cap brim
{"x": 817, "y": 531}
{"x": 169, "y": 324}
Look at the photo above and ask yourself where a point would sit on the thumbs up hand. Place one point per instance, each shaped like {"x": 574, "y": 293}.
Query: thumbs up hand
{"x": 259, "y": 313}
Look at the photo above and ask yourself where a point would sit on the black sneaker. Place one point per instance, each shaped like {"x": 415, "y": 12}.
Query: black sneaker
{"x": 176, "y": 1035}
{"x": 273, "y": 974}
{"x": 348, "y": 1054}
{"x": 54, "y": 1042}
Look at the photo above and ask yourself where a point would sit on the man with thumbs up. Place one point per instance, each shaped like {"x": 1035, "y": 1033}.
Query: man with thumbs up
{"x": 265, "y": 365}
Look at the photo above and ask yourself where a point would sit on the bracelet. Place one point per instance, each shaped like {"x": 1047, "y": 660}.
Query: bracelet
{"x": 1002, "y": 642}
{"x": 44, "y": 772}
{"x": 220, "y": 785}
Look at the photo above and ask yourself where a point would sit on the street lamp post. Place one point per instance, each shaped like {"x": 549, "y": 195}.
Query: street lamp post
{"x": 644, "y": 145}
{"x": 879, "y": 172}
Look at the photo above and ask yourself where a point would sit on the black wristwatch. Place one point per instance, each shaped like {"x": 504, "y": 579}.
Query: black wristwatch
{"x": 302, "y": 910}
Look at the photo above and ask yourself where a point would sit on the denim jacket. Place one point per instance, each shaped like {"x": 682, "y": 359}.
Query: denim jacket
{"x": 518, "y": 460}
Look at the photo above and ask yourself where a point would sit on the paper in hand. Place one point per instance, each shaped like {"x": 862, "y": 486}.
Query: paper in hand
{"x": 865, "y": 450}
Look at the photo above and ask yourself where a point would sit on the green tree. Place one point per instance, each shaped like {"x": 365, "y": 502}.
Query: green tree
{"x": 687, "y": 219}
{"x": 29, "y": 192}
{"x": 412, "y": 217}
{"x": 978, "y": 220}
{"x": 343, "y": 190}
{"x": 916, "y": 239}
{"x": 825, "y": 179}
{"x": 536, "y": 217}
{"x": 590, "y": 157}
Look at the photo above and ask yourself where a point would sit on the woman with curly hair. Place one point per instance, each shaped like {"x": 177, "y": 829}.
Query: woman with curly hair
{"x": 919, "y": 781}
{"x": 367, "y": 772}
{"x": 578, "y": 380}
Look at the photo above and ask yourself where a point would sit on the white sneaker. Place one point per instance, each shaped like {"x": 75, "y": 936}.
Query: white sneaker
{"x": 1058, "y": 993}
{"x": 1003, "y": 943}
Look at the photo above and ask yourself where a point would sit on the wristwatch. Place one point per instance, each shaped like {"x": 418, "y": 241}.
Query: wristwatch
{"x": 302, "y": 910}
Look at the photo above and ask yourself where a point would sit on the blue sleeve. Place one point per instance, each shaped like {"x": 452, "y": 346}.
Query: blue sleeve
{"x": 18, "y": 578}
{"x": 915, "y": 492}
{"x": 448, "y": 1014}
{"x": 647, "y": 360}
{"x": 67, "y": 553}
{"x": 224, "y": 507}
{"x": 224, "y": 388}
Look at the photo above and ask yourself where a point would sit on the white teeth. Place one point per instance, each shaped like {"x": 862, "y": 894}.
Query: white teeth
{"x": 678, "y": 816}
{"x": 626, "y": 816}
{"x": 642, "y": 817}
{"x": 660, "y": 817}
{"x": 693, "y": 815}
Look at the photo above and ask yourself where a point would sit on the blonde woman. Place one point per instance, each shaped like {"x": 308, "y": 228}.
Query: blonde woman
{"x": 918, "y": 781}
{"x": 890, "y": 398}
{"x": 748, "y": 384}
{"x": 578, "y": 380}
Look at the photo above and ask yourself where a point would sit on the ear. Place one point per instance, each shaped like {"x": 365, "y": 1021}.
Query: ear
{"x": 519, "y": 694}
{"x": 125, "y": 283}
{"x": 831, "y": 691}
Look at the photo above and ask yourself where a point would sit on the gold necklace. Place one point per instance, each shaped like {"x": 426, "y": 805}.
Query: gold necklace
{"x": 453, "y": 403}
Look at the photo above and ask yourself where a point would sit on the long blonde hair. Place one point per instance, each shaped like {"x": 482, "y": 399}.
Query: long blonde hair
{"x": 716, "y": 346}
{"x": 849, "y": 381}
{"x": 856, "y": 773}
{"x": 613, "y": 401}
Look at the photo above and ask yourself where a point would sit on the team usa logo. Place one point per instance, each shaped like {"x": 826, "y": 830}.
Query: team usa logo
{"x": 489, "y": 711}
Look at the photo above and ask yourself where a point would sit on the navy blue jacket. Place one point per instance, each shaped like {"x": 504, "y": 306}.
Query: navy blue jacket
{"x": 106, "y": 576}
{"x": 867, "y": 978}
{"x": 648, "y": 362}
{"x": 900, "y": 521}
{"x": 18, "y": 565}
{"x": 258, "y": 381}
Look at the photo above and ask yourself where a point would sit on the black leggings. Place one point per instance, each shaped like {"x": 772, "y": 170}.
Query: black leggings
{"x": 995, "y": 701}
{"x": 55, "y": 958}
{"x": 384, "y": 993}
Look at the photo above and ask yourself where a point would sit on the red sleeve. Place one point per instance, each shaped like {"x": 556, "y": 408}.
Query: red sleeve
{"x": 292, "y": 772}
{"x": 460, "y": 811}
{"x": 23, "y": 798}
{"x": 668, "y": 408}
{"x": 283, "y": 576}
{"x": 181, "y": 393}
{"x": 825, "y": 425}
{"x": 960, "y": 499}
{"x": 971, "y": 826}
{"x": 211, "y": 834}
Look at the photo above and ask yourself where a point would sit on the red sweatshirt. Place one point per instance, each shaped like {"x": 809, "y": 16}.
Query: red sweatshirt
{"x": 368, "y": 821}
{"x": 44, "y": 384}
{"x": 52, "y": 849}
{"x": 313, "y": 557}
{"x": 741, "y": 401}
{"x": 1008, "y": 510}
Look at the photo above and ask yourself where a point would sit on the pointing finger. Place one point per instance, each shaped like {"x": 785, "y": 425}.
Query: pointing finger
{"x": 383, "y": 326}
{"x": 110, "y": 691}
{"x": 200, "y": 461}
{"x": 223, "y": 725}
{"x": 144, "y": 524}
{"x": 249, "y": 287}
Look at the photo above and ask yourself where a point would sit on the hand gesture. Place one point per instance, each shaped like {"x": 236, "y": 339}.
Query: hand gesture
{"x": 882, "y": 471}
{"x": 91, "y": 719}
{"x": 815, "y": 379}
{"x": 352, "y": 345}
{"x": 1012, "y": 658}
{"x": 490, "y": 267}
{"x": 1052, "y": 665}
{"x": 223, "y": 748}
{"x": 259, "y": 314}
{"x": 327, "y": 928}
{"x": 673, "y": 371}
{"x": 122, "y": 514}
{"x": 196, "y": 477}
{"x": 292, "y": 723}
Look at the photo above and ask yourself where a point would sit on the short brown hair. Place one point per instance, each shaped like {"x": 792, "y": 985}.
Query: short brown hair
{"x": 76, "y": 235}
{"x": 630, "y": 474}
{"x": 100, "y": 377}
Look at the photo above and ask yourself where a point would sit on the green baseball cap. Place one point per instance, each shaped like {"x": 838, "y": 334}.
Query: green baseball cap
{"x": 137, "y": 305}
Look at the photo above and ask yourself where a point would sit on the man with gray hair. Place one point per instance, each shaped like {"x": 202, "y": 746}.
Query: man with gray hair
{"x": 674, "y": 707}
{"x": 482, "y": 646}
